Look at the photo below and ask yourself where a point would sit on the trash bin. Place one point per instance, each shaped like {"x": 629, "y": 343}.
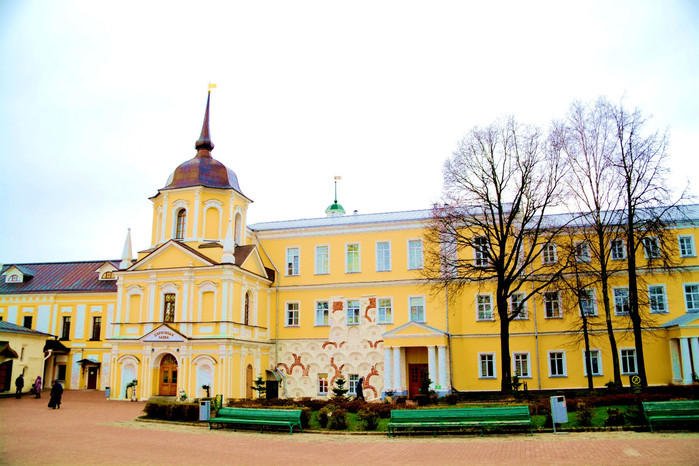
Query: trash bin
{"x": 107, "y": 391}
{"x": 204, "y": 410}
{"x": 559, "y": 411}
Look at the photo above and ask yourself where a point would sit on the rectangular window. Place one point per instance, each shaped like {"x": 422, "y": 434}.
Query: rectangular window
{"x": 322, "y": 384}
{"x": 582, "y": 251}
{"x": 617, "y": 249}
{"x": 293, "y": 256}
{"x": 480, "y": 251}
{"x": 353, "y": 312}
{"x": 61, "y": 372}
{"x": 385, "y": 306}
{"x": 552, "y": 305}
{"x": 651, "y": 247}
{"x": 621, "y": 301}
{"x": 417, "y": 308}
{"x": 484, "y": 304}
{"x": 588, "y": 303}
{"x": 383, "y": 256}
{"x": 27, "y": 322}
{"x": 521, "y": 367}
{"x": 557, "y": 364}
{"x": 322, "y": 313}
{"x": 691, "y": 297}
{"x": 687, "y": 246}
{"x": 96, "y": 328}
{"x": 657, "y": 299}
{"x": 65, "y": 328}
{"x": 549, "y": 254}
{"x": 169, "y": 307}
{"x": 628, "y": 361}
{"x": 517, "y": 303}
{"x": 322, "y": 260}
{"x": 352, "y": 264}
{"x": 292, "y": 314}
{"x": 486, "y": 366}
{"x": 595, "y": 362}
{"x": 353, "y": 381}
{"x": 414, "y": 254}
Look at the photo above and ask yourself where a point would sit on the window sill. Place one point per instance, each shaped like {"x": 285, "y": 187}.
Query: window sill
{"x": 387, "y": 270}
{"x": 558, "y": 376}
{"x": 553, "y": 317}
{"x": 487, "y": 377}
{"x": 320, "y": 325}
{"x": 292, "y": 326}
{"x": 384, "y": 323}
{"x": 485, "y": 320}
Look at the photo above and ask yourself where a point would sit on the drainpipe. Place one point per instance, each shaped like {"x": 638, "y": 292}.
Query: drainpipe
{"x": 43, "y": 369}
{"x": 451, "y": 359}
{"x": 536, "y": 328}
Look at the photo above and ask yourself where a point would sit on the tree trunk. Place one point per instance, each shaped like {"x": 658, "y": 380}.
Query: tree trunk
{"x": 588, "y": 362}
{"x": 604, "y": 276}
{"x": 634, "y": 313}
{"x": 505, "y": 362}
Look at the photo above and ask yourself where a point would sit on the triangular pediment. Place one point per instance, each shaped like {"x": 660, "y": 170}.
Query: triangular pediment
{"x": 251, "y": 261}
{"x": 163, "y": 333}
{"x": 414, "y": 329}
{"x": 172, "y": 254}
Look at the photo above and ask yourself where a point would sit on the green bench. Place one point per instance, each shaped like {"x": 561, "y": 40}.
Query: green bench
{"x": 671, "y": 411}
{"x": 433, "y": 419}
{"x": 263, "y": 417}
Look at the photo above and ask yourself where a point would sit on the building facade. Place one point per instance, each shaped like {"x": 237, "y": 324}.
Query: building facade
{"x": 215, "y": 303}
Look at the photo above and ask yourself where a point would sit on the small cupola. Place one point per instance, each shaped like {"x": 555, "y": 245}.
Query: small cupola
{"x": 335, "y": 209}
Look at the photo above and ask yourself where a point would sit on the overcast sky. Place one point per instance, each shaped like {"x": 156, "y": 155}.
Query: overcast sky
{"x": 101, "y": 101}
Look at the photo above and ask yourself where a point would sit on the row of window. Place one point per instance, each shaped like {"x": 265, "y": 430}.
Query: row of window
{"x": 384, "y": 311}
{"x": 657, "y": 302}
{"x": 323, "y": 384}
{"x": 353, "y": 258}
{"x": 169, "y": 301}
{"x": 95, "y": 334}
{"x": 557, "y": 364}
{"x": 181, "y": 226}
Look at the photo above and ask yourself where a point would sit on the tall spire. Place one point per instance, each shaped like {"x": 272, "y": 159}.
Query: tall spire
{"x": 126, "y": 255}
{"x": 228, "y": 246}
{"x": 204, "y": 141}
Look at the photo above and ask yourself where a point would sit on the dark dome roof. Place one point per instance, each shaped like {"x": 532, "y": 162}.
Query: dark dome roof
{"x": 203, "y": 170}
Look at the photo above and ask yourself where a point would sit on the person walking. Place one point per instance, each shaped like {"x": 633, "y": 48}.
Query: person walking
{"x": 37, "y": 386}
{"x": 56, "y": 393}
{"x": 360, "y": 389}
{"x": 19, "y": 384}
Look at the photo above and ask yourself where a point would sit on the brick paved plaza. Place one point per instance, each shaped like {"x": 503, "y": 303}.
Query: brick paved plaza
{"x": 88, "y": 429}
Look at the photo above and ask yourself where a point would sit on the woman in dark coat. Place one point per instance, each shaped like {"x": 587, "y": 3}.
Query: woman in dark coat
{"x": 56, "y": 393}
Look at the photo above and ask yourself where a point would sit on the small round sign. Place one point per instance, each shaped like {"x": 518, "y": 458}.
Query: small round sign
{"x": 636, "y": 380}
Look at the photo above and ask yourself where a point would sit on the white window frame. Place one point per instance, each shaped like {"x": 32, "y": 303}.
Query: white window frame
{"x": 694, "y": 300}
{"x": 594, "y": 303}
{"x": 412, "y": 303}
{"x": 692, "y": 252}
{"x": 478, "y": 308}
{"x": 352, "y": 382}
{"x": 493, "y": 361}
{"x": 318, "y": 322}
{"x": 295, "y": 268}
{"x": 380, "y": 265}
{"x": 415, "y": 254}
{"x": 623, "y": 361}
{"x": 546, "y": 251}
{"x": 528, "y": 358}
{"x": 288, "y": 312}
{"x": 665, "y": 308}
{"x": 318, "y": 263}
{"x": 323, "y": 376}
{"x": 651, "y": 244}
{"x": 617, "y": 292}
{"x": 564, "y": 365}
{"x": 352, "y": 319}
{"x": 558, "y": 304}
{"x": 347, "y": 257}
{"x": 612, "y": 255}
{"x": 480, "y": 252}
{"x": 582, "y": 251}
{"x": 379, "y": 307}
{"x": 524, "y": 315}
{"x": 596, "y": 354}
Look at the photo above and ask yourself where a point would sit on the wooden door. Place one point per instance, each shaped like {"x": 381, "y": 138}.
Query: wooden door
{"x": 168, "y": 376}
{"x": 248, "y": 382}
{"x": 415, "y": 374}
{"x": 92, "y": 377}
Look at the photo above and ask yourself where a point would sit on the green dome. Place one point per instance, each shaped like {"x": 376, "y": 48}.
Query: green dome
{"x": 334, "y": 209}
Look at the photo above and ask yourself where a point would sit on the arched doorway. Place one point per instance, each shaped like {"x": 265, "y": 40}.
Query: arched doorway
{"x": 168, "y": 376}
{"x": 248, "y": 382}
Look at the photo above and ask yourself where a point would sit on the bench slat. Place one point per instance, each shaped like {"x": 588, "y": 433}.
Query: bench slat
{"x": 459, "y": 417}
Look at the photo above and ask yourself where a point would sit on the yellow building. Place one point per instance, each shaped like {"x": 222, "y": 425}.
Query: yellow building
{"x": 215, "y": 302}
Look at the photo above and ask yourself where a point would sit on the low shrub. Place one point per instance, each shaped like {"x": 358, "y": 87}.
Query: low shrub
{"x": 451, "y": 398}
{"x": 305, "y": 416}
{"x": 615, "y": 417}
{"x": 338, "y": 420}
{"x": 370, "y": 419}
{"x": 382, "y": 410}
{"x": 400, "y": 400}
{"x": 183, "y": 412}
{"x": 324, "y": 414}
{"x": 635, "y": 416}
{"x": 584, "y": 414}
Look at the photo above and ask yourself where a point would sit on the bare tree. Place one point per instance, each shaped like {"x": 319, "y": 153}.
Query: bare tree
{"x": 491, "y": 225}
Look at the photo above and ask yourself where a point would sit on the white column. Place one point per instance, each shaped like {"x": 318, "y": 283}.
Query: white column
{"x": 694, "y": 341}
{"x": 442, "y": 359}
{"x": 396, "y": 370}
{"x": 686, "y": 364}
{"x": 387, "y": 382}
{"x": 164, "y": 222}
{"x": 432, "y": 366}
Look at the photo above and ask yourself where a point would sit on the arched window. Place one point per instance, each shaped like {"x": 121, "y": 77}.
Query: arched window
{"x": 181, "y": 224}
{"x": 238, "y": 229}
{"x": 246, "y": 315}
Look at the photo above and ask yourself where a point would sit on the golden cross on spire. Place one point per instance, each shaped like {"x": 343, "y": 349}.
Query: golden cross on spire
{"x": 212, "y": 86}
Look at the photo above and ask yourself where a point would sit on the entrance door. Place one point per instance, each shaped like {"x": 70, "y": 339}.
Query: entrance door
{"x": 415, "y": 374}
{"x": 168, "y": 376}
{"x": 91, "y": 377}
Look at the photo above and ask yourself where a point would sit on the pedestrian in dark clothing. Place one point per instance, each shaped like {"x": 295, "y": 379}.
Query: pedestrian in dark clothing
{"x": 360, "y": 389}
{"x": 37, "y": 386}
{"x": 19, "y": 383}
{"x": 56, "y": 393}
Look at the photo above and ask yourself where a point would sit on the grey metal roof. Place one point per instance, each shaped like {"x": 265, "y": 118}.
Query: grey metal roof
{"x": 8, "y": 327}
{"x": 682, "y": 320}
{"x": 345, "y": 220}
